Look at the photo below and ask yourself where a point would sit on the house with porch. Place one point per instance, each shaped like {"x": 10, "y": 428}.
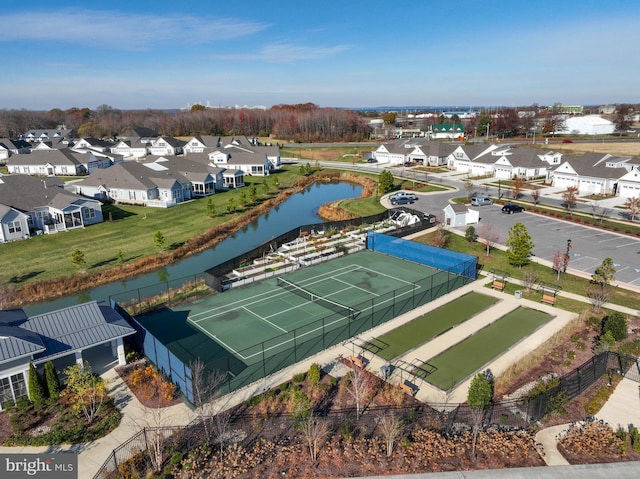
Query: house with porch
{"x": 65, "y": 336}
{"x": 166, "y": 146}
{"x": 48, "y": 207}
{"x": 10, "y": 147}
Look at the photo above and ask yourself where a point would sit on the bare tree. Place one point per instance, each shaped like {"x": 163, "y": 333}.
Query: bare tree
{"x": 529, "y": 279}
{"x": 315, "y": 432}
{"x": 570, "y": 196}
{"x": 560, "y": 262}
{"x": 206, "y": 387}
{"x": 535, "y": 195}
{"x": 488, "y": 235}
{"x": 468, "y": 186}
{"x": 154, "y": 422}
{"x": 391, "y": 428}
{"x": 441, "y": 237}
{"x": 633, "y": 205}
{"x": 358, "y": 388}
{"x": 517, "y": 187}
{"x": 599, "y": 211}
{"x": 598, "y": 295}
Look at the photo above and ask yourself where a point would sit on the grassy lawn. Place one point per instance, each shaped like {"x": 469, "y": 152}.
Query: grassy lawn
{"x": 498, "y": 261}
{"x": 131, "y": 232}
{"x": 432, "y": 324}
{"x": 466, "y": 357}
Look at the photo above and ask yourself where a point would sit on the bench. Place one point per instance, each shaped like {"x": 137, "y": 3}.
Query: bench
{"x": 499, "y": 285}
{"x": 407, "y": 388}
{"x": 358, "y": 361}
{"x": 547, "y": 298}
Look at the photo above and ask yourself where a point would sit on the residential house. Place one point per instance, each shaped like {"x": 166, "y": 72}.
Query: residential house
{"x": 432, "y": 153}
{"x": 139, "y": 135}
{"x": 203, "y": 179}
{"x": 166, "y": 146}
{"x": 526, "y": 163}
{"x": 446, "y": 131}
{"x": 93, "y": 144}
{"x": 477, "y": 159}
{"x": 61, "y": 132}
{"x": 48, "y": 206}
{"x": 134, "y": 183}
{"x": 225, "y": 178}
{"x": 61, "y": 336}
{"x": 598, "y": 174}
{"x": 396, "y": 152}
{"x": 54, "y": 144}
{"x": 63, "y": 162}
{"x": 14, "y": 225}
{"x": 133, "y": 149}
{"x": 201, "y": 144}
{"x": 12, "y": 147}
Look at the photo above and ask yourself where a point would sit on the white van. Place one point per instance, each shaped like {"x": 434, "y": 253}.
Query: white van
{"x": 481, "y": 201}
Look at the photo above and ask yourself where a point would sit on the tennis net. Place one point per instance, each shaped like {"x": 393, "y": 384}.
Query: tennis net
{"x": 324, "y": 302}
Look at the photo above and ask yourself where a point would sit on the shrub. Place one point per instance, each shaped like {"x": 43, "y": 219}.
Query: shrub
{"x": 314, "y": 373}
{"x": 298, "y": 378}
{"x": 51, "y": 380}
{"x": 36, "y": 391}
{"x": 616, "y": 323}
{"x": 635, "y": 439}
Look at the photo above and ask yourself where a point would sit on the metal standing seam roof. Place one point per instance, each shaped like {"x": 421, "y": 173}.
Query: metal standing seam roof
{"x": 16, "y": 343}
{"x": 76, "y": 328}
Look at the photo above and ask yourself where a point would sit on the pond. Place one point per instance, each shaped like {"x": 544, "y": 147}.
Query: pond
{"x": 300, "y": 209}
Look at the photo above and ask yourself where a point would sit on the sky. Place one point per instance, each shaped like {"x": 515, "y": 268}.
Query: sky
{"x": 349, "y": 54}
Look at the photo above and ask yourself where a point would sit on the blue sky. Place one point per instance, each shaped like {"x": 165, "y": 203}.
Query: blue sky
{"x": 348, "y": 53}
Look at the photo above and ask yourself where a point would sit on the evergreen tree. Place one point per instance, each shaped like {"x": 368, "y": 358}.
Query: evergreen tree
{"x": 77, "y": 258}
{"x": 159, "y": 240}
{"x": 385, "y": 182}
{"x": 51, "y": 380}
{"x": 520, "y": 245}
{"x": 36, "y": 391}
{"x": 605, "y": 273}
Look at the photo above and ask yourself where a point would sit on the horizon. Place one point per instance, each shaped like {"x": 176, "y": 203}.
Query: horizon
{"x": 153, "y": 55}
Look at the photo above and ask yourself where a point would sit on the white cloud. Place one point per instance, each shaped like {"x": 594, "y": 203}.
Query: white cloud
{"x": 285, "y": 53}
{"x": 99, "y": 28}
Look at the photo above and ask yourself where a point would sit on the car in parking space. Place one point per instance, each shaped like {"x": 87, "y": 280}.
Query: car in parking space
{"x": 481, "y": 201}
{"x": 510, "y": 208}
{"x": 401, "y": 200}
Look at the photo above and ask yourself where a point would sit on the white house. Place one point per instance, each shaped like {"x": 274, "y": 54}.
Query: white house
{"x": 459, "y": 215}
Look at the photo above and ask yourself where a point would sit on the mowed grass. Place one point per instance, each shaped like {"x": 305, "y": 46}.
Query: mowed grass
{"x": 465, "y": 358}
{"x": 432, "y": 324}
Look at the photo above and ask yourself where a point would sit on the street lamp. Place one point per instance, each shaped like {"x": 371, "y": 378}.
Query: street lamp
{"x": 487, "y": 131}
{"x": 566, "y": 256}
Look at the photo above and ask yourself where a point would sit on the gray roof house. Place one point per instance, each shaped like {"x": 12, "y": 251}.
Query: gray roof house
{"x": 397, "y": 152}
{"x": 44, "y": 134}
{"x": 53, "y": 336}
{"x": 48, "y": 207}
{"x": 63, "y": 162}
{"x": 166, "y": 146}
{"x": 135, "y": 183}
{"x": 10, "y": 147}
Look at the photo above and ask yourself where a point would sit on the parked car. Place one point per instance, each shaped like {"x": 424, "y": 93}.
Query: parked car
{"x": 403, "y": 194}
{"x": 510, "y": 208}
{"x": 481, "y": 201}
{"x": 401, "y": 200}
{"x": 372, "y": 160}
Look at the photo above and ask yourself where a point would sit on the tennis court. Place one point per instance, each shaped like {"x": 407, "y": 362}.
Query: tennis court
{"x": 255, "y": 330}
{"x": 460, "y": 361}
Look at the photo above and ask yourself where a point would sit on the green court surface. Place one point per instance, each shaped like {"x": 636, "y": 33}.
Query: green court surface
{"x": 426, "y": 327}
{"x": 460, "y": 361}
{"x": 246, "y": 325}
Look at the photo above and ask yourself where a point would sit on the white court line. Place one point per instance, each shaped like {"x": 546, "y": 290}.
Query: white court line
{"x": 263, "y": 319}
{"x": 353, "y": 286}
{"x": 615, "y": 238}
{"x": 635, "y": 243}
{"x": 213, "y": 336}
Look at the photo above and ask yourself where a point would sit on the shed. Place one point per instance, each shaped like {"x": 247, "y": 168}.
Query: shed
{"x": 460, "y": 215}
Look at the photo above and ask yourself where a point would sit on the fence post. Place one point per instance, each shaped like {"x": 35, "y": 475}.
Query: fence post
{"x": 115, "y": 460}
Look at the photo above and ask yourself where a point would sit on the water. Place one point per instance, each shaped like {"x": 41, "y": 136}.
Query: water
{"x": 300, "y": 209}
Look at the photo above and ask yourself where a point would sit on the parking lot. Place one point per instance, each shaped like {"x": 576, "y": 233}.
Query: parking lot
{"x": 589, "y": 246}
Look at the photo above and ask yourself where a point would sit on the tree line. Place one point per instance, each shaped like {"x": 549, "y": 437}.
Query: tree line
{"x": 298, "y": 123}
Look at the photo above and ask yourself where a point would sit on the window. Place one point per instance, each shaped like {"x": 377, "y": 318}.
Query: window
{"x": 19, "y": 385}
{"x": 5, "y": 391}
{"x": 15, "y": 227}
{"x": 12, "y": 388}
{"x": 89, "y": 213}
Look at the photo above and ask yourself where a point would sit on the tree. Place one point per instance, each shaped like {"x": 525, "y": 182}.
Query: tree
{"x": 306, "y": 169}
{"x": 605, "y": 273}
{"x": 391, "y": 429}
{"x": 242, "y": 198}
{"x": 120, "y": 256}
{"x": 159, "y": 240}
{"x": 519, "y": 244}
{"x": 253, "y": 193}
{"x": 517, "y": 186}
{"x": 36, "y": 391}
{"x": 77, "y": 258}
{"x": 470, "y": 234}
{"x": 535, "y": 196}
{"x": 623, "y": 118}
{"x": 529, "y": 279}
{"x": 633, "y": 205}
{"x": 211, "y": 207}
{"x": 231, "y": 204}
{"x": 560, "y": 262}
{"x": 616, "y": 324}
{"x": 358, "y": 388}
{"x": 598, "y": 295}
{"x": 468, "y": 186}
{"x": 206, "y": 387}
{"x": 570, "y": 196}
{"x": 479, "y": 398}
{"x": 389, "y": 118}
{"x": 488, "y": 235}
{"x": 315, "y": 431}
{"x": 51, "y": 380}
{"x": 385, "y": 182}
{"x": 276, "y": 183}
{"x": 85, "y": 390}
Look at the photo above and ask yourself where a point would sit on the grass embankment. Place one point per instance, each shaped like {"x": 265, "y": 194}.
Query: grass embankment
{"x": 498, "y": 260}
{"x": 41, "y": 267}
